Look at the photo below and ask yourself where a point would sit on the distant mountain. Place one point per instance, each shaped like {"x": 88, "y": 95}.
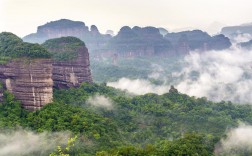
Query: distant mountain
{"x": 246, "y": 45}
{"x": 130, "y": 42}
{"x": 197, "y": 40}
{"x": 163, "y": 31}
{"x": 139, "y": 41}
{"x": 64, "y": 27}
{"x": 234, "y": 30}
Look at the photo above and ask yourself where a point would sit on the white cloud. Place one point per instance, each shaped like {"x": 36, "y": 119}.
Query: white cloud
{"x": 242, "y": 38}
{"x": 138, "y": 86}
{"x": 237, "y": 140}
{"x": 157, "y": 71}
{"x": 218, "y": 75}
{"x": 100, "y": 101}
{"x": 24, "y": 142}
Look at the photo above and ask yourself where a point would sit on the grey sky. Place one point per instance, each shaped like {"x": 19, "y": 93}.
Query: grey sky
{"x": 23, "y": 16}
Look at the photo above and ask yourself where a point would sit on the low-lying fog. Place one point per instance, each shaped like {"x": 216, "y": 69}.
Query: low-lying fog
{"x": 217, "y": 75}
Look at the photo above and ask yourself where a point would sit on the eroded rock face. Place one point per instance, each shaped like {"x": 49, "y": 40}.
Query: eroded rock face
{"x": 29, "y": 80}
{"x": 146, "y": 41}
{"x": 70, "y": 62}
{"x": 63, "y": 28}
{"x": 186, "y": 41}
{"x": 72, "y": 73}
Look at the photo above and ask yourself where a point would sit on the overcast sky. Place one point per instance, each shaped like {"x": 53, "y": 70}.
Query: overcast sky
{"x": 23, "y": 16}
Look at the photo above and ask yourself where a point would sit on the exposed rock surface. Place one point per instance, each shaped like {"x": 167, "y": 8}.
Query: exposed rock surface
{"x": 30, "y": 81}
{"x": 131, "y": 42}
{"x": 139, "y": 41}
{"x": 25, "y": 71}
{"x": 73, "y": 69}
{"x": 197, "y": 40}
{"x": 29, "y": 71}
{"x": 235, "y": 30}
{"x": 63, "y": 28}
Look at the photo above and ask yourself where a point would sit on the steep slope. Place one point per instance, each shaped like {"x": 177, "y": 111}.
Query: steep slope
{"x": 63, "y": 28}
{"x": 197, "y": 40}
{"x": 70, "y": 62}
{"x": 25, "y": 71}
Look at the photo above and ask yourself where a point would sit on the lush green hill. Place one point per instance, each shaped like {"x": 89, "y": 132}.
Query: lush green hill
{"x": 12, "y": 46}
{"x": 169, "y": 124}
{"x": 64, "y": 48}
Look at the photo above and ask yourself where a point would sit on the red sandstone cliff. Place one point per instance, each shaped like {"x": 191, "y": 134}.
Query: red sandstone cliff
{"x": 30, "y": 81}
{"x": 72, "y": 73}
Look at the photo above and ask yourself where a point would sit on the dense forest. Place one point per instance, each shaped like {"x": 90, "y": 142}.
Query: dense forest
{"x": 105, "y": 121}
{"x": 64, "y": 48}
{"x": 110, "y": 122}
{"x": 11, "y": 46}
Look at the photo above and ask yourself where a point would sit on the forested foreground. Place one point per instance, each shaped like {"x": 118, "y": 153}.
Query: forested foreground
{"x": 110, "y": 122}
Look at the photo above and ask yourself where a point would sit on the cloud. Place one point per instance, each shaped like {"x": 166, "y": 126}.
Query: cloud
{"x": 138, "y": 86}
{"x": 217, "y": 75}
{"x": 24, "y": 142}
{"x": 157, "y": 72}
{"x": 238, "y": 140}
{"x": 242, "y": 38}
{"x": 100, "y": 101}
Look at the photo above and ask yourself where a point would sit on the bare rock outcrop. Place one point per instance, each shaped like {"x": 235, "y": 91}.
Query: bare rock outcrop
{"x": 30, "y": 71}
{"x": 30, "y": 81}
{"x": 25, "y": 71}
{"x": 70, "y": 62}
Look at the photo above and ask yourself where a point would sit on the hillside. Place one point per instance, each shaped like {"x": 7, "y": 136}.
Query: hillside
{"x": 11, "y": 46}
{"x": 110, "y": 121}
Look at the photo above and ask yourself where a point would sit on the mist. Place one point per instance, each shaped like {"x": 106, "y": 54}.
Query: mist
{"x": 242, "y": 38}
{"x": 23, "y": 142}
{"x": 138, "y": 86}
{"x": 218, "y": 75}
{"x": 238, "y": 140}
{"x": 100, "y": 101}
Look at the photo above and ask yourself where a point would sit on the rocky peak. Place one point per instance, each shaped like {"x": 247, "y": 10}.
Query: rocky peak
{"x": 173, "y": 90}
{"x": 94, "y": 29}
{"x": 70, "y": 62}
{"x": 25, "y": 71}
{"x": 197, "y": 40}
{"x": 30, "y": 71}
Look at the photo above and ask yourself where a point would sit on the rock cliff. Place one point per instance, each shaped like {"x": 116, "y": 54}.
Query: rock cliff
{"x": 139, "y": 41}
{"x": 25, "y": 71}
{"x": 30, "y": 81}
{"x": 131, "y": 42}
{"x": 70, "y": 62}
{"x": 30, "y": 71}
{"x": 63, "y": 28}
{"x": 185, "y": 41}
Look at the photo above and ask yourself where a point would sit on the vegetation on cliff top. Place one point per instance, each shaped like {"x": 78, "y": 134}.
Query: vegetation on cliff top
{"x": 64, "y": 48}
{"x": 62, "y": 24}
{"x": 11, "y": 46}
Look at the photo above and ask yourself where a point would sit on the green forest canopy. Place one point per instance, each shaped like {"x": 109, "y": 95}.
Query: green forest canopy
{"x": 11, "y": 46}
{"x": 64, "y": 48}
{"x": 168, "y": 124}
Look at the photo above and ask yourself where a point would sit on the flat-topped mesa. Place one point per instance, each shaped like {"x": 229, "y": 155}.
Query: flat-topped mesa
{"x": 25, "y": 71}
{"x": 64, "y": 28}
{"x": 186, "y": 41}
{"x": 137, "y": 41}
{"x": 70, "y": 61}
{"x": 56, "y": 29}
